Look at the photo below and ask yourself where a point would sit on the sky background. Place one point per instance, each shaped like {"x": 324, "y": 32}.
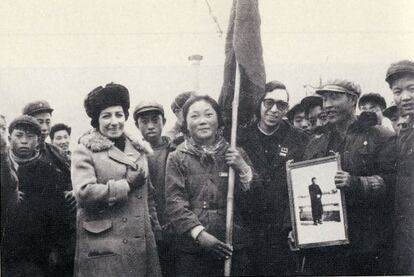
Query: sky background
{"x": 60, "y": 50}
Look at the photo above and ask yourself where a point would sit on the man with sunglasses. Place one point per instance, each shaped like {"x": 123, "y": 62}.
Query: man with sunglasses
{"x": 367, "y": 161}
{"x": 270, "y": 141}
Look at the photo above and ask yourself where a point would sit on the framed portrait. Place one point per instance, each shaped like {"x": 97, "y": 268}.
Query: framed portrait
{"x": 317, "y": 207}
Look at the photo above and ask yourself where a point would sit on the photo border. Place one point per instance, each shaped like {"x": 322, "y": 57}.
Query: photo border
{"x": 291, "y": 165}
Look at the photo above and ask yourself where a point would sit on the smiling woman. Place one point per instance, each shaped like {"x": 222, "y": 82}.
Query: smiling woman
{"x": 116, "y": 215}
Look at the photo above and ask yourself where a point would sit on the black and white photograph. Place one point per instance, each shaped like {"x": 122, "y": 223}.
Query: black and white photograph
{"x": 206, "y": 138}
{"x": 318, "y": 212}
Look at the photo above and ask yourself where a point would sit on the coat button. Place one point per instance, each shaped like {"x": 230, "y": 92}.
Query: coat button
{"x": 124, "y": 219}
{"x": 125, "y": 241}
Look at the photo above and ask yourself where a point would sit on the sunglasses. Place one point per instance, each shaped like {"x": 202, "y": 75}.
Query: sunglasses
{"x": 281, "y": 105}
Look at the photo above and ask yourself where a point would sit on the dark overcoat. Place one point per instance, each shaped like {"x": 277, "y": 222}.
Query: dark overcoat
{"x": 43, "y": 222}
{"x": 403, "y": 242}
{"x": 116, "y": 218}
{"x": 316, "y": 201}
{"x": 368, "y": 155}
{"x": 268, "y": 213}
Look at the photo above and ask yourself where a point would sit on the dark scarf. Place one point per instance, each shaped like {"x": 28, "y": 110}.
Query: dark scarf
{"x": 19, "y": 161}
{"x": 206, "y": 153}
{"x": 119, "y": 142}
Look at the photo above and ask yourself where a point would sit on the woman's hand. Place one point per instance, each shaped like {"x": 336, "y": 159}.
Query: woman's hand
{"x": 136, "y": 179}
{"x": 235, "y": 160}
{"x": 215, "y": 246}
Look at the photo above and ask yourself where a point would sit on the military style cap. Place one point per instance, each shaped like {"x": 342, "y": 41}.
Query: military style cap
{"x": 312, "y": 101}
{"x": 342, "y": 86}
{"x": 37, "y": 107}
{"x": 26, "y": 120}
{"x": 391, "y": 111}
{"x": 146, "y": 106}
{"x": 401, "y": 67}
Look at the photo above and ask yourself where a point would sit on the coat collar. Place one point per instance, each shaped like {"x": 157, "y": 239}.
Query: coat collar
{"x": 128, "y": 156}
{"x": 96, "y": 142}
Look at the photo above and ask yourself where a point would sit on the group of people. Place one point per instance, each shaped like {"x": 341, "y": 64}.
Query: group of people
{"x": 126, "y": 205}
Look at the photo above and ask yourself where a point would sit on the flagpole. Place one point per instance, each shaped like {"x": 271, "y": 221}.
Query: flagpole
{"x": 230, "y": 192}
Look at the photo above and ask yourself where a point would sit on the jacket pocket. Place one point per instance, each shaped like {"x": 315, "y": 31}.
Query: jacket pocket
{"x": 97, "y": 226}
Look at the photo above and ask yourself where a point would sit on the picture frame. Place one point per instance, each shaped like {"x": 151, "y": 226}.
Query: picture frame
{"x": 317, "y": 207}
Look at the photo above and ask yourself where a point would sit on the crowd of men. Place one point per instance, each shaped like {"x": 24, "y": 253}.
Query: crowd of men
{"x": 39, "y": 206}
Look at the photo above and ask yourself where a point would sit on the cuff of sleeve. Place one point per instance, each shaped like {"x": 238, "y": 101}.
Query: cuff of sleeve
{"x": 196, "y": 231}
{"x": 246, "y": 178}
{"x": 117, "y": 191}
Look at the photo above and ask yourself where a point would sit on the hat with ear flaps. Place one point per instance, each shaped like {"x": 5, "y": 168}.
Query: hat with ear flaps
{"x": 103, "y": 97}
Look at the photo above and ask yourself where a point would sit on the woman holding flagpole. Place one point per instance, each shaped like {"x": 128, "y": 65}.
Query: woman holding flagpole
{"x": 196, "y": 191}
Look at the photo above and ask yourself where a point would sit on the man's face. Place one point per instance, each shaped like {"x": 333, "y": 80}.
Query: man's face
{"x": 394, "y": 122}
{"x": 371, "y": 107}
{"x": 300, "y": 121}
{"x": 403, "y": 91}
{"x": 151, "y": 125}
{"x": 338, "y": 106}
{"x": 317, "y": 117}
{"x": 273, "y": 108}
{"x": 61, "y": 139}
{"x": 44, "y": 119}
{"x": 23, "y": 142}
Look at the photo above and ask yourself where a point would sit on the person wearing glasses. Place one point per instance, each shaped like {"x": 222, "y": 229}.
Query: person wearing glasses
{"x": 270, "y": 141}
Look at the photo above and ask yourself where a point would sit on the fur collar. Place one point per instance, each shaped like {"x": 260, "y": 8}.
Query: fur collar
{"x": 96, "y": 142}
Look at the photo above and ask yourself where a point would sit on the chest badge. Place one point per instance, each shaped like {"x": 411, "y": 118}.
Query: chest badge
{"x": 283, "y": 151}
{"x": 223, "y": 174}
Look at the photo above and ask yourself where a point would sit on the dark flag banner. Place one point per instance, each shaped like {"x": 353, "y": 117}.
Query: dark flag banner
{"x": 244, "y": 46}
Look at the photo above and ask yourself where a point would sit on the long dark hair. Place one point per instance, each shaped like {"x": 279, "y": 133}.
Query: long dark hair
{"x": 207, "y": 99}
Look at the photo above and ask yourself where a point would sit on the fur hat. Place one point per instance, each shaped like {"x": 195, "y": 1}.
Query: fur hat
{"x": 103, "y": 97}
{"x": 28, "y": 121}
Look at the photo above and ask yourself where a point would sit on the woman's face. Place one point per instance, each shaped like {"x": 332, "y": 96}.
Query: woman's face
{"x": 111, "y": 122}
{"x": 202, "y": 122}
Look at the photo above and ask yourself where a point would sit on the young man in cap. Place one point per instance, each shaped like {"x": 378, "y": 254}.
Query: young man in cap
{"x": 42, "y": 112}
{"x": 366, "y": 179}
{"x": 175, "y": 134}
{"x": 36, "y": 241}
{"x": 314, "y": 112}
{"x": 60, "y": 137}
{"x": 400, "y": 77}
{"x": 149, "y": 119}
{"x": 269, "y": 142}
{"x": 296, "y": 116}
{"x": 393, "y": 115}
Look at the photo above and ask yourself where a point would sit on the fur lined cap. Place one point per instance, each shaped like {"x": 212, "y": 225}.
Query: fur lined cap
{"x": 103, "y": 97}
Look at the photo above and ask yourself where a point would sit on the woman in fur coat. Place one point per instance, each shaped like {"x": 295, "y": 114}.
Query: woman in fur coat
{"x": 116, "y": 218}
